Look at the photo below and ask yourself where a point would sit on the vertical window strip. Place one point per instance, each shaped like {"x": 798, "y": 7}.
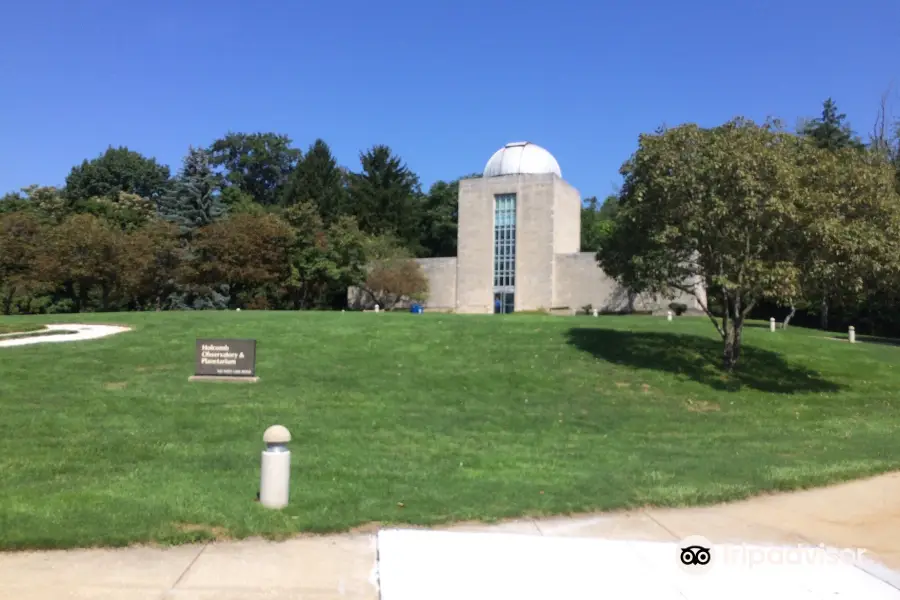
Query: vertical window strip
{"x": 504, "y": 240}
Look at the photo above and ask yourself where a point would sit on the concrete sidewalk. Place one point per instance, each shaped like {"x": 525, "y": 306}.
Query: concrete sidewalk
{"x": 862, "y": 514}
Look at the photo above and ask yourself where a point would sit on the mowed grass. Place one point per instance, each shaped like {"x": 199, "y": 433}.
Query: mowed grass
{"x": 18, "y": 327}
{"x": 401, "y": 418}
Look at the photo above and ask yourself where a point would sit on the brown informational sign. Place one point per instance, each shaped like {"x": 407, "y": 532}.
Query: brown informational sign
{"x": 226, "y": 358}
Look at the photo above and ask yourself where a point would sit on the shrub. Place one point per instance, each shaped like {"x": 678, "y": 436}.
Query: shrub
{"x": 258, "y": 303}
{"x": 392, "y": 280}
{"x": 678, "y": 308}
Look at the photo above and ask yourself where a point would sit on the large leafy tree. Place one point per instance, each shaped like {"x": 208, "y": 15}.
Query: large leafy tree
{"x": 830, "y": 131}
{"x": 346, "y": 249}
{"x": 117, "y": 170}
{"x": 392, "y": 275}
{"x": 318, "y": 179}
{"x": 47, "y": 202}
{"x": 127, "y": 212}
{"x": 255, "y": 164}
{"x": 124, "y": 210}
{"x": 21, "y": 235}
{"x": 194, "y": 200}
{"x": 324, "y": 261}
{"x": 13, "y": 202}
{"x": 596, "y": 218}
{"x": 386, "y": 199}
{"x": 153, "y": 258}
{"x": 248, "y": 253}
{"x": 737, "y": 208}
{"x": 441, "y": 219}
{"x": 83, "y": 256}
{"x": 894, "y": 153}
{"x": 850, "y": 238}
{"x": 885, "y": 138}
{"x": 309, "y": 264}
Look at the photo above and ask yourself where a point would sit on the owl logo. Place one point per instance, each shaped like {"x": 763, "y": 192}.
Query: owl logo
{"x": 695, "y": 555}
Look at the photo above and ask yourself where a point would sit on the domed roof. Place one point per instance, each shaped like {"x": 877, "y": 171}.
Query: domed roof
{"x": 521, "y": 158}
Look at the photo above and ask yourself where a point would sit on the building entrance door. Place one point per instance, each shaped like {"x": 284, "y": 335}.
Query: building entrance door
{"x": 504, "y": 301}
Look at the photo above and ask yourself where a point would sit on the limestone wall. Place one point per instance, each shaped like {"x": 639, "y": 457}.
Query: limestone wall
{"x": 441, "y": 273}
{"x": 475, "y": 247}
{"x": 579, "y": 281}
{"x": 566, "y": 218}
{"x": 534, "y": 241}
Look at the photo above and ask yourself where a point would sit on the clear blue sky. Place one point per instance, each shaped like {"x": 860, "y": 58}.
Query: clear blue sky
{"x": 444, "y": 83}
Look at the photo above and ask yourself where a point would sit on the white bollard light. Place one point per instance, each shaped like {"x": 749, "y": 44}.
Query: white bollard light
{"x": 596, "y": 313}
{"x": 275, "y": 475}
{"x": 772, "y": 324}
{"x": 669, "y": 315}
{"x": 237, "y": 309}
{"x": 851, "y": 333}
{"x": 377, "y": 308}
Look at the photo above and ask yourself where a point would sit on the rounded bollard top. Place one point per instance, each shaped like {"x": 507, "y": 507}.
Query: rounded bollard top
{"x": 852, "y": 327}
{"x": 277, "y": 434}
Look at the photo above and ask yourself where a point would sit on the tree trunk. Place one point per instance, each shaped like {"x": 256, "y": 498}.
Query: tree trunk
{"x": 72, "y": 294}
{"x": 81, "y": 296}
{"x": 790, "y": 316}
{"x": 732, "y": 351}
{"x": 823, "y": 315}
{"x": 732, "y": 327}
{"x": 7, "y": 302}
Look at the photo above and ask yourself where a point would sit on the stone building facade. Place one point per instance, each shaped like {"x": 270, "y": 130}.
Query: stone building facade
{"x": 519, "y": 246}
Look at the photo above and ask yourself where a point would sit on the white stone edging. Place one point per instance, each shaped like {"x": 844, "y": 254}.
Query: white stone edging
{"x": 80, "y": 332}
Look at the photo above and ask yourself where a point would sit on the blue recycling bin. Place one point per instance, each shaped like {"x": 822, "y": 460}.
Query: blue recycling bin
{"x": 416, "y": 308}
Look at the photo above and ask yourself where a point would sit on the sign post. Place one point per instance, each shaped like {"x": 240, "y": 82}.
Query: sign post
{"x": 225, "y": 360}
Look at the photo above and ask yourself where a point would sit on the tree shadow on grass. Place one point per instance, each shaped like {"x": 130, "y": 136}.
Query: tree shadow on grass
{"x": 873, "y": 340}
{"x": 762, "y": 325}
{"x": 699, "y": 358}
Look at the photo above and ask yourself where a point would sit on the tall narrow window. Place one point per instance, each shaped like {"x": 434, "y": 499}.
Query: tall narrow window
{"x": 504, "y": 252}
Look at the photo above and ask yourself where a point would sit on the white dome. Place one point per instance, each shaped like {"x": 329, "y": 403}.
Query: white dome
{"x": 521, "y": 158}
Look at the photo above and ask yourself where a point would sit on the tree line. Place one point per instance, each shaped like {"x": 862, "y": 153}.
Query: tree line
{"x": 249, "y": 221}
{"x": 252, "y": 221}
{"x": 763, "y": 217}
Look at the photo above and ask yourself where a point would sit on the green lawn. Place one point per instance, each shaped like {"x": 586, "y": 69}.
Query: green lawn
{"x": 33, "y": 333}
{"x": 422, "y": 419}
{"x": 18, "y": 326}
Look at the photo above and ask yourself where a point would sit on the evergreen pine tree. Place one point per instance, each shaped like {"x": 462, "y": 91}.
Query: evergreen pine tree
{"x": 386, "y": 198}
{"x": 194, "y": 200}
{"x": 831, "y": 131}
{"x": 318, "y": 179}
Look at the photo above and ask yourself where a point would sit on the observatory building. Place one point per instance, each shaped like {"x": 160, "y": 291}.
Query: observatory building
{"x": 519, "y": 245}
